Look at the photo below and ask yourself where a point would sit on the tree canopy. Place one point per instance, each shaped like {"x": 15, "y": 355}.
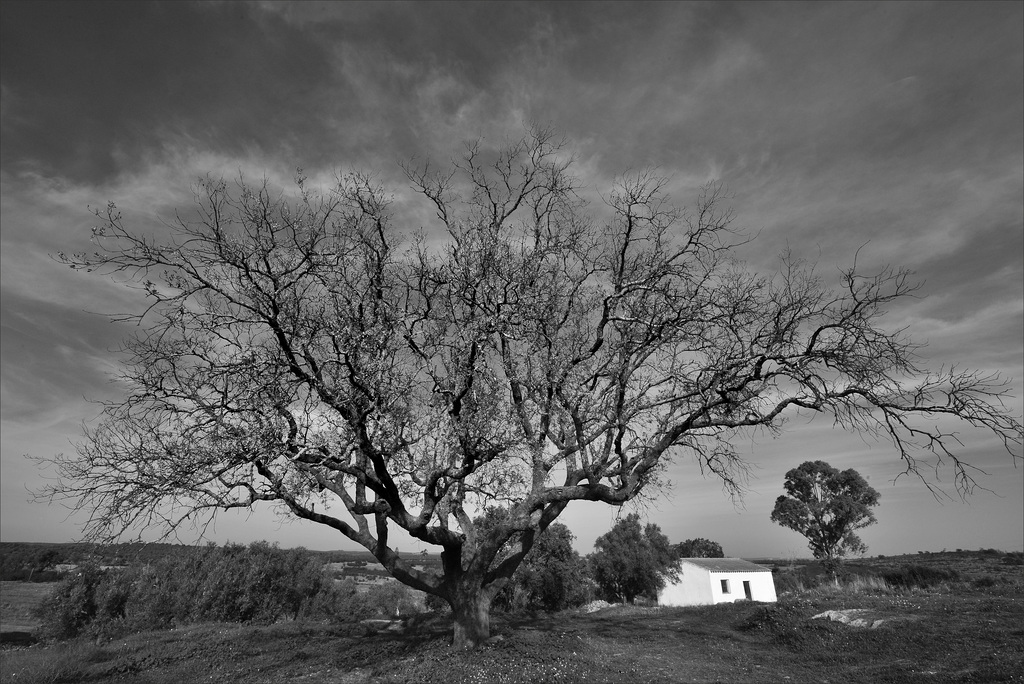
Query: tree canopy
{"x": 552, "y": 577}
{"x": 312, "y": 352}
{"x": 698, "y": 548}
{"x": 630, "y": 560}
{"x": 827, "y": 507}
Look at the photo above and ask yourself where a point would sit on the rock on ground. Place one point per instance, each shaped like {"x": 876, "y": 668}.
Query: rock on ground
{"x": 855, "y": 617}
{"x": 594, "y": 606}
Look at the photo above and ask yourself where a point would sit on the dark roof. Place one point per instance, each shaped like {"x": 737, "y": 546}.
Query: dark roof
{"x": 726, "y": 564}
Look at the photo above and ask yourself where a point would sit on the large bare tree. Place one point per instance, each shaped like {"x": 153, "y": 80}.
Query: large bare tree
{"x": 306, "y": 351}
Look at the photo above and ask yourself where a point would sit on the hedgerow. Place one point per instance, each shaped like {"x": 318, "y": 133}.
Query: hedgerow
{"x": 258, "y": 583}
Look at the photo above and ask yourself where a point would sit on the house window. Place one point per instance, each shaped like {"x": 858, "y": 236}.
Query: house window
{"x": 725, "y": 586}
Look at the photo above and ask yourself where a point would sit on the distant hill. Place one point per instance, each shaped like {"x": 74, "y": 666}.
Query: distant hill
{"x": 32, "y": 560}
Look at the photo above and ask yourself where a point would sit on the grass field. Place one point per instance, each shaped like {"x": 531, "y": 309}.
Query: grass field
{"x": 971, "y": 630}
{"x": 18, "y": 602}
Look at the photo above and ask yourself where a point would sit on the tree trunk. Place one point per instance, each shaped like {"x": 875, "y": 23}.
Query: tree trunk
{"x": 471, "y": 609}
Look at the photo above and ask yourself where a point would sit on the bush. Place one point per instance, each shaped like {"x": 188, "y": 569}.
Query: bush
{"x": 436, "y": 604}
{"x": 392, "y": 599}
{"x": 813, "y": 580}
{"x": 72, "y": 605}
{"x": 552, "y": 576}
{"x": 259, "y": 584}
{"x": 853, "y": 584}
{"x": 787, "y": 582}
{"x": 800, "y": 579}
{"x": 918, "y": 576}
{"x": 1013, "y": 558}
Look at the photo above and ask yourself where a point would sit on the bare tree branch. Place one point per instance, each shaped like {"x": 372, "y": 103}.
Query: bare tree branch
{"x": 305, "y": 352}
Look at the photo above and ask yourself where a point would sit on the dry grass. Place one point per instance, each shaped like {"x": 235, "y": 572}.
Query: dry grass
{"x": 860, "y": 584}
{"x": 70, "y": 662}
{"x": 19, "y": 601}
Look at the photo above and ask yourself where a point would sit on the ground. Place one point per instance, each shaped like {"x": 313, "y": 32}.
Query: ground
{"x": 966, "y": 631}
{"x": 18, "y": 602}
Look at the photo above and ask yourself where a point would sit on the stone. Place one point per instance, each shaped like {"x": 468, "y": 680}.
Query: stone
{"x": 854, "y": 617}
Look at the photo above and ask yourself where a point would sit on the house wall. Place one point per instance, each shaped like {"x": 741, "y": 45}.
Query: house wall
{"x": 695, "y": 586}
{"x": 762, "y": 587}
{"x": 692, "y": 587}
{"x": 763, "y": 584}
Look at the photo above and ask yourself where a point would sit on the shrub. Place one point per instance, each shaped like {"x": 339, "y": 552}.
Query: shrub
{"x": 342, "y": 603}
{"x": 787, "y": 582}
{"x": 801, "y": 578}
{"x": 392, "y": 599}
{"x": 259, "y": 583}
{"x": 436, "y": 604}
{"x": 72, "y": 605}
{"x": 1013, "y": 558}
{"x": 919, "y": 576}
{"x": 854, "y": 584}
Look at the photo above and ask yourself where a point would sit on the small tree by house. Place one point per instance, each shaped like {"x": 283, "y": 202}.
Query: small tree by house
{"x": 630, "y": 561}
{"x": 827, "y": 507}
{"x": 552, "y": 577}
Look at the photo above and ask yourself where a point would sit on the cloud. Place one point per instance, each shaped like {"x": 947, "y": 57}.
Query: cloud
{"x": 96, "y": 87}
{"x": 890, "y": 127}
{"x": 54, "y": 354}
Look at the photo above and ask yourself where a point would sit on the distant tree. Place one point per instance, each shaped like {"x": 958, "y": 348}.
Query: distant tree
{"x": 827, "y": 506}
{"x": 629, "y": 561}
{"x": 44, "y": 561}
{"x": 552, "y": 577}
{"x": 311, "y": 352}
{"x": 698, "y": 548}
{"x": 392, "y": 600}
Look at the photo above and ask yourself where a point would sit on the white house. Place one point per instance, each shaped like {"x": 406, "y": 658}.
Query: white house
{"x": 703, "y": 581}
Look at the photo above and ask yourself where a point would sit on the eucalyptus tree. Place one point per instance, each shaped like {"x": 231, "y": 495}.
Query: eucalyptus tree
{"x": 312, "y": 351}
{"x": 827, "y": 506}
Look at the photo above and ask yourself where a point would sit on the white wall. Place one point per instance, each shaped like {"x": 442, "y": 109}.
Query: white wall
{"x": 690, "y": 588}
{"x": 762, "y": 587}
{"x": 694, "y": 586}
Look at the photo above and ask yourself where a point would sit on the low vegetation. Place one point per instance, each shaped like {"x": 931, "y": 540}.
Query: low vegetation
{"x": 258, "y": 584}
{"x": 952, "y": 617}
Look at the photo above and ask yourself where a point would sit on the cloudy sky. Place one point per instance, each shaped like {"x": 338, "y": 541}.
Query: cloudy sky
{"x": 891, "y": 127}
